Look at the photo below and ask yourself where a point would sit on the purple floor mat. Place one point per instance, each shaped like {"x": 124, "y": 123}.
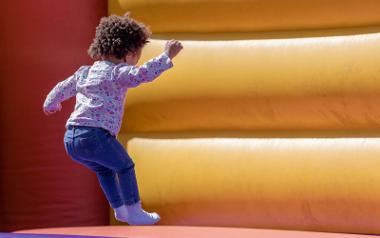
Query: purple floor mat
{"x": 26, "y": 235}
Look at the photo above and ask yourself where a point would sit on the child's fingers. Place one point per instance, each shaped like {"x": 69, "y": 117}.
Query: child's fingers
{"x": 47, "y": 113}
{"x": 52, "y": 112}
{"x": 179, "y": 46}
{"x": 178, "y": 43}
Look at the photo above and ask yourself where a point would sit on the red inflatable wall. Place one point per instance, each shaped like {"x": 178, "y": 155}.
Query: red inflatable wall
{"x": 42, "y": 43}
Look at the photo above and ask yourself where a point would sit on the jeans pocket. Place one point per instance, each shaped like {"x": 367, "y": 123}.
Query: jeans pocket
{"x": 89, "y": 145}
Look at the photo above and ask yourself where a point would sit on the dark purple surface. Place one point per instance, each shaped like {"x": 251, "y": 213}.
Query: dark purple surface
{"x": 26, "y": 235}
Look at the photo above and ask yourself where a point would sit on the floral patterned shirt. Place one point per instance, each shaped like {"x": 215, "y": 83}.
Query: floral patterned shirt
{"x": 100, "y": 91}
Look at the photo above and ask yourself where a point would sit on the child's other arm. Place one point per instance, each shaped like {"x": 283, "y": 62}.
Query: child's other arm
{"x": 61, "y": 92}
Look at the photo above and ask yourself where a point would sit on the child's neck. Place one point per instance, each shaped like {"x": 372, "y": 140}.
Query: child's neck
{"x": 113, "y": 59}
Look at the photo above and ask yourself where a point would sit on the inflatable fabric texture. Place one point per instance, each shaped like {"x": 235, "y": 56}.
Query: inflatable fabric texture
{"x": 42, "y": 43}
{"x": 268, "y": 119}
{"x": 249, "y": 15}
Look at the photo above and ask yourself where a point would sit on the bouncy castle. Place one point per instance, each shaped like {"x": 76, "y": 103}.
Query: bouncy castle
{"x": 267, "y": 126}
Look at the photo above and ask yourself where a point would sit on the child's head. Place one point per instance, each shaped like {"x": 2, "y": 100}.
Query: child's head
{"x": 119, "y": 37}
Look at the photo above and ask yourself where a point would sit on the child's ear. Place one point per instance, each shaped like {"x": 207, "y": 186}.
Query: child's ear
{"x": 135, "y": 53}
{"x": 128, "y": 55}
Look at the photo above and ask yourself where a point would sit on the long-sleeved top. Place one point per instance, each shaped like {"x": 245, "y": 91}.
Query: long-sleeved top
{"x": 100, "y": 91}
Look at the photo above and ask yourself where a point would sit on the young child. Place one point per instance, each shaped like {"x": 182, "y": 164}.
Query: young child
{"x": 100, "y": 90}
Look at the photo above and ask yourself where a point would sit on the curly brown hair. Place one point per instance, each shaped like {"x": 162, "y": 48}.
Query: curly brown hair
{"x": 118, "y": 35}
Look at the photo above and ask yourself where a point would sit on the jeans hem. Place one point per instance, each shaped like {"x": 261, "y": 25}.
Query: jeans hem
{"x": 131, "y": 202}
{"x": 116, "y": 206}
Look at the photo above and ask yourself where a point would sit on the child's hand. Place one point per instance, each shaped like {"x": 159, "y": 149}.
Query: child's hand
{"x": 172, "y": 48}
{"x": 52, "y": 109}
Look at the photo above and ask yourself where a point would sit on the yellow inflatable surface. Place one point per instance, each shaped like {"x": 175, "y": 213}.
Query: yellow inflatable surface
{"x": 268, "y": 119}
{"x": 299, "y": 83}
{"x": 249, "y": 15}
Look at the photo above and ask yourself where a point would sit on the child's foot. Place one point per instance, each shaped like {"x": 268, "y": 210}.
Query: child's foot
{"x": 121, "y": 213}
{"x": 135, "y": 215}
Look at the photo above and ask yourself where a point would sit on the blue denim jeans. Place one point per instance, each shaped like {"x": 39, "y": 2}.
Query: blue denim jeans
{"x": 101, "y": 152}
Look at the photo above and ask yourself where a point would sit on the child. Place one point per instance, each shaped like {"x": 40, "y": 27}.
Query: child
{"x": 100, "y": 90}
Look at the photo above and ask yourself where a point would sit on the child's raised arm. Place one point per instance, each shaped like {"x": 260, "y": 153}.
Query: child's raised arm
{"x": 132, "y": 76}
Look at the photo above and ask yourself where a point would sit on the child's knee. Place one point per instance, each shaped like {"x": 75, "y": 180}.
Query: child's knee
{"x": 127, "y": 168}
{"x": 103, "y": 171}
